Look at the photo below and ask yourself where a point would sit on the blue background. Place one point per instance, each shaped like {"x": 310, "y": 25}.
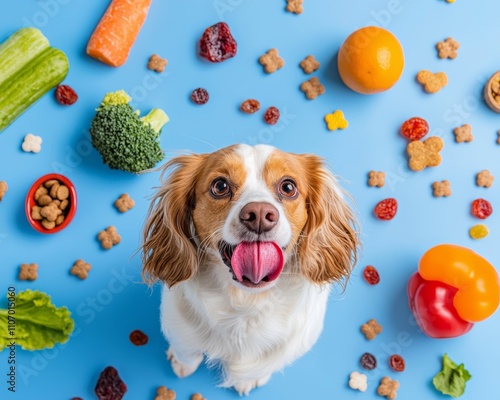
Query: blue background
{"x": 113, "y": 301}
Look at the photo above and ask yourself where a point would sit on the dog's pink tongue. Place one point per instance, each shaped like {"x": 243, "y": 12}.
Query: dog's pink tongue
{"x": 257, "y": 260}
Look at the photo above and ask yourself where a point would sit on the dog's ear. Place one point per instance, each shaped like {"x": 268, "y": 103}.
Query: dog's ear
{"x": 329, "y": 241}
{"x": 168, "y": 249}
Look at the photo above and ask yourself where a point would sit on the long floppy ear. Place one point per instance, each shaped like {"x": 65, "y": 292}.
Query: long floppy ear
{"x": 329, "y": 241}
{"x": 168, "y": 249}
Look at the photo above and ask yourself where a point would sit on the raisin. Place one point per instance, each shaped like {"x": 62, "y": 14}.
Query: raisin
{"x": 272, "y": 115}
{"x": 386, "y": 209}
{"x": 138, "y": 337}
{"x": 110, "y": 386}
{"x": 65, "y": 95}
{"x": 368, "y": 361}
{"x": 481, "y": 208}
{"x": 397, "y": 363}
{"x": 199, "y": 96}
{"x": 371, "y": 275}
{"x": 217, "y": 44}
{"x": 250, "y": 106}
{"x": 415, "y": 128}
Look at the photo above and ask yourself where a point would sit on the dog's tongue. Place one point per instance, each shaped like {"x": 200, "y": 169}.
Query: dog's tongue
{"x": 257, "y": 260}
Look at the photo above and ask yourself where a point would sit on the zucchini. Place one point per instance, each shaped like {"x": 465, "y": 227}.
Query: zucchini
{"x": 19, "y": 49}
{"x": 31, "y": 82}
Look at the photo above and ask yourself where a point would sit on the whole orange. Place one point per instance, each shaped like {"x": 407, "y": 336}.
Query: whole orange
{"x": 371, "y": 60}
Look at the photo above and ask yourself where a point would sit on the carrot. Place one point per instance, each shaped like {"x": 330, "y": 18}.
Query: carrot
{"x": 117, "y": 31}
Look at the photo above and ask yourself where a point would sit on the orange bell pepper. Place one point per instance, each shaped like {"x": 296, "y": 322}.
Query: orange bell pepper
{"x": 453, "y": 288}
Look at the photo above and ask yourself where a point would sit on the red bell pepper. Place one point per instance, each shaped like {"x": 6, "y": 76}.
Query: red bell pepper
{"x": 453, "y": 288}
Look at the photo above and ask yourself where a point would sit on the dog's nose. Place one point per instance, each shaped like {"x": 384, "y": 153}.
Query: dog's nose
{"x": 259, "y": 217}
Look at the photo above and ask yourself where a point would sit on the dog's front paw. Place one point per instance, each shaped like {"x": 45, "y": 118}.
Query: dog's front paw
{"x": 182, "y": 369}
{"x": 244, "y": 388}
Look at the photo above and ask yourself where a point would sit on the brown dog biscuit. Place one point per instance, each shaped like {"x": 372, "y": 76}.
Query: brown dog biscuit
{"x": 309, "y": 64}
{"x": 376, "y": 178}
{"x": 28, "y": 272}
{"x": 295, "y": 6}
{"x": 80, "y": 269}
{"x": 431, "y": 82}
{"x": 448, "y": 48}
{"x": 463, "y": 134}
{"x": 109, "y": 237}
{"x": 424, "y": 154}
{"x": 312, "y": 88}
{"x": 484, "y": 178}
{"x": 3, "y": 189}
{"x": 271, "y": 61}
{"x": 157, "y": 63}
{"x": 124, "y": 203}
{"x": 441, "y": 189}
{"x": 388, "y": 388}
{"x": 371, "y": 329}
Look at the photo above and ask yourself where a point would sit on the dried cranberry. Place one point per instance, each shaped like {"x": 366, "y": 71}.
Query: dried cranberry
{"x": 415, "y": 128}
{"x": 481, "y": 208}
{"x": 368, "y": 361}
{"x": 386, "y": 209}
{"x": 138, "y": 337}
{"x": 217, "y": 44}
{"x": 272, "y": 115}
{"x": 397, "y": 363}
{"x": 371, "y": 275}
{"x": 110, "y": 386}
{"x": 199, "y": 96}
{"x": 250, "y": 106}
{"x": 65, "y": 95}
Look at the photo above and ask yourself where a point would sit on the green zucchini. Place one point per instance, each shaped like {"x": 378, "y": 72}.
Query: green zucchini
{"x": 19, "y": 49}
{"x": 31, "y": 82}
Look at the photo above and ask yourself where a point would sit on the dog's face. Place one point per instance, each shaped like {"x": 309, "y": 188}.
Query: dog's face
{"x": 254, "y": 209}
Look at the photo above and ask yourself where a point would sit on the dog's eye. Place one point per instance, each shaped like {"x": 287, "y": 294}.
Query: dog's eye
{"x": 220, "y": 188}
{"x": 288, "y": 188}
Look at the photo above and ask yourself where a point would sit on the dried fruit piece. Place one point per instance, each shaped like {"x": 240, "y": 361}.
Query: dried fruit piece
{"x": 397, "y": 363}
{"x": 368, "y": 361}
{"x": 371, "y": 275}
{"x": 199, "y": 96}
{"x": 415, "y": 128}
{"x": 481, "y": 208}
{"x": 110, "y": 386}
{"x": 386, "y": 209}
{"x": 65, "y": 95}
{"x": 479, "y": 231}
{"x": 272, "y": 115}
{"x": 138, "y": 337}
{"x": 250, "y": 106}
{"x": 217, "y": 44}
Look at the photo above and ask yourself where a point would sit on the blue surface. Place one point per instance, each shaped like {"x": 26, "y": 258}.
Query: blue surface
{"x": 112, "y": 301}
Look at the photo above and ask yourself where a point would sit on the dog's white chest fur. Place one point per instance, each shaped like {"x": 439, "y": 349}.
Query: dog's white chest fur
{"x": 248, "y": 332}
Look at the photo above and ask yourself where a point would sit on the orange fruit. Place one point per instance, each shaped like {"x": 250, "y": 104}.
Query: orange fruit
{"x": 371, "y": 60}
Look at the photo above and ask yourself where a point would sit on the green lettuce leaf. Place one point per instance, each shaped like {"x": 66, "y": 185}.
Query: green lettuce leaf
{"x": 452, "y": 378}
{"x": 39, "y": 324}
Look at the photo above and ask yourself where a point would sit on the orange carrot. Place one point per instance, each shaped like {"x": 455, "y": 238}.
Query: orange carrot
{"x": 117, "y": 30}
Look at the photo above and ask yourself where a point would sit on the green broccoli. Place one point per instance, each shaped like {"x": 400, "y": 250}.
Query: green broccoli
{"x": 124, "y": 139}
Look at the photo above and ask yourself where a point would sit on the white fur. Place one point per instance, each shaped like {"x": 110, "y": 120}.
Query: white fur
{"x": 249, "y": 333}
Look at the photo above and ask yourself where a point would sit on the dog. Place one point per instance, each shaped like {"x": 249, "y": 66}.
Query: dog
{"x": 247, "y": 242}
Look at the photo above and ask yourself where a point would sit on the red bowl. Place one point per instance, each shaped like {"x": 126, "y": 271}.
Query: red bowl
{"x": 70, "y": 211}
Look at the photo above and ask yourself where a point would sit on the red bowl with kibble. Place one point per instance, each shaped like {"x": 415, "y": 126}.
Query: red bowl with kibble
{"x": 51, "y": 203}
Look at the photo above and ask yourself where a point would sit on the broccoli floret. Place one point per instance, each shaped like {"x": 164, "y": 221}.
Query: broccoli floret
{"x": 124, "y": 139}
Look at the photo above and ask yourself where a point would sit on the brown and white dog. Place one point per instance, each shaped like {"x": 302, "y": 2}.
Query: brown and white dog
{"x": 247, "y": 241}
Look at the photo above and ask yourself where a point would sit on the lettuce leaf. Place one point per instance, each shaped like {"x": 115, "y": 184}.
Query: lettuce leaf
{"x": 452, "y": 378}
{"x": 39, "y": 324}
